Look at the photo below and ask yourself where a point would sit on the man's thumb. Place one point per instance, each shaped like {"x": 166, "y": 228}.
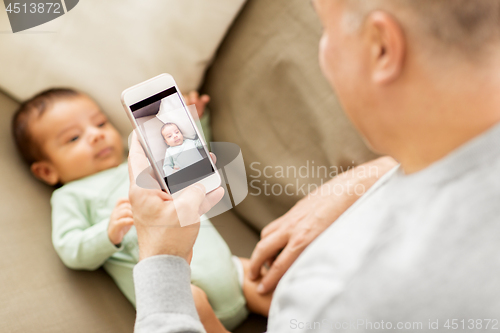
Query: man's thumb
{"x": 188, "y": 204}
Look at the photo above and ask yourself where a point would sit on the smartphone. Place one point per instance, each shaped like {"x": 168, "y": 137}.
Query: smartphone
{"x": 174, "y": 146}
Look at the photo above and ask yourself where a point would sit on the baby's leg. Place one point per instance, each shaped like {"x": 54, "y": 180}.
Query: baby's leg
{"x": 206, "y": 313}
{"x": 256, "y": 302}
{"x": 213, "y": 270}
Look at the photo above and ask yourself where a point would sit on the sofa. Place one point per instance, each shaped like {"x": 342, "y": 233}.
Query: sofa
{"x": 267, "y": 95}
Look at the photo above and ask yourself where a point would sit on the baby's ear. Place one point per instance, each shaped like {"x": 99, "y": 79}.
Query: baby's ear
{"x": 46, "y": 172}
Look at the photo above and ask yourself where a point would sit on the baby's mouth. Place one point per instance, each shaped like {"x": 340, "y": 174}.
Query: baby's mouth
{"x": 104, "y": 152}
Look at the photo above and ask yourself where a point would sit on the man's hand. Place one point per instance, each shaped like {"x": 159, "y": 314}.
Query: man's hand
{"x": 156, "y": 215}
{"x": 120, "y": 221}
{"x": 199, "y": 101}
{"x": 295, "y": 230}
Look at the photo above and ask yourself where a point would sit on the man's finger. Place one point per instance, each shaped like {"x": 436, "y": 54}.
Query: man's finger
{"x": 188, "y": 204}
{"x": 266, "y": 249}
{"x": 214, "y": 158}
{"x": 137, "y": 160}
{"x": 211, "y": 200}
{"x": 279, "y": 267}
{"x": 140, "y": 172}
{"x": 271, "y": 227}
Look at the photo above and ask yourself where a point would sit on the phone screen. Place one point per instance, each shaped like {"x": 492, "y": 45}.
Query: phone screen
{"x": 177, "y": 150}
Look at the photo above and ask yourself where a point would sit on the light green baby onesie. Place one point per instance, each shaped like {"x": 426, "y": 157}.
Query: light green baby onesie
{"x": 80, "y": 217}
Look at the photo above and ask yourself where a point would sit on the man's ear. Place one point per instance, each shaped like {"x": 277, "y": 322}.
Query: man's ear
{"x": 46, "y": 172}
{"x": 387, "y": 44}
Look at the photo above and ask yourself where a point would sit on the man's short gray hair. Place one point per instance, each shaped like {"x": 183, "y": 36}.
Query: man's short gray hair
{"x": 468, "y": 25}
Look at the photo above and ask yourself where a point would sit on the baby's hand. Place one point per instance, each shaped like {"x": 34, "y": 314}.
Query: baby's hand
{"x": 199, "y": 101}
{"x": 120, "y": 221}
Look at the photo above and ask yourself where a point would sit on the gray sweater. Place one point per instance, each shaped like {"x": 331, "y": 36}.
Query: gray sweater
{"x": 417, "y": 252}
{"x": 163, "y": 296}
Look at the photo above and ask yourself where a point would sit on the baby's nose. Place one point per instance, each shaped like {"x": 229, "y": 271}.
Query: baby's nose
{"x": 96, "y": 134}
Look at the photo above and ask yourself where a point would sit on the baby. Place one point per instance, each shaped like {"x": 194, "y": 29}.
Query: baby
{"x": 180, "y": 152}
{"x": 69, "y": 143}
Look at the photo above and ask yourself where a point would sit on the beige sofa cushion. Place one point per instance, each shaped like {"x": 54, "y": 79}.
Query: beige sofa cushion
{"x": 103, "y": 47}
{"x": 269, "y": 97}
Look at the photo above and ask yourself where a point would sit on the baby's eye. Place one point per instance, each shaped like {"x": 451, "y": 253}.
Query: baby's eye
{"x": 102, "y": 124}
{"x": 73, "y": 139}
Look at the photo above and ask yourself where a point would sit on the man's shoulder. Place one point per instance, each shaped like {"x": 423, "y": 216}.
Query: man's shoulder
{"x": 475, "y": 193}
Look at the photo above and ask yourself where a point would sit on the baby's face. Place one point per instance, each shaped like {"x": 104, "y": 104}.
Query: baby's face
{"x": 76, "y": 139}
{"x": 172, "y": 135}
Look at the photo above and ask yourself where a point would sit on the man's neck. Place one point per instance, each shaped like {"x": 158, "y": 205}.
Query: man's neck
{"x": 433, "y": 148}
{"x": 454, "y": 118}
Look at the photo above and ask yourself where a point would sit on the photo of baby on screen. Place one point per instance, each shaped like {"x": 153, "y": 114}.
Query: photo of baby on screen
{"x": 169, "y": 133}
{"x": 181, "y": 152}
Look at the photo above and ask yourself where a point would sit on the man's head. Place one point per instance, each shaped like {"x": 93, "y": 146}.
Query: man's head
{"x": 63, "y": 135}
{"x": 407, "y": 71}
{"x": 172, "y": 135}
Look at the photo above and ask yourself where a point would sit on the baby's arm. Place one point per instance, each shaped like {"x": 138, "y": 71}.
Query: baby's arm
{"x": 207, "y": 315}
{"x": 199, "y": 101}
{"x": 80, "y": 244}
